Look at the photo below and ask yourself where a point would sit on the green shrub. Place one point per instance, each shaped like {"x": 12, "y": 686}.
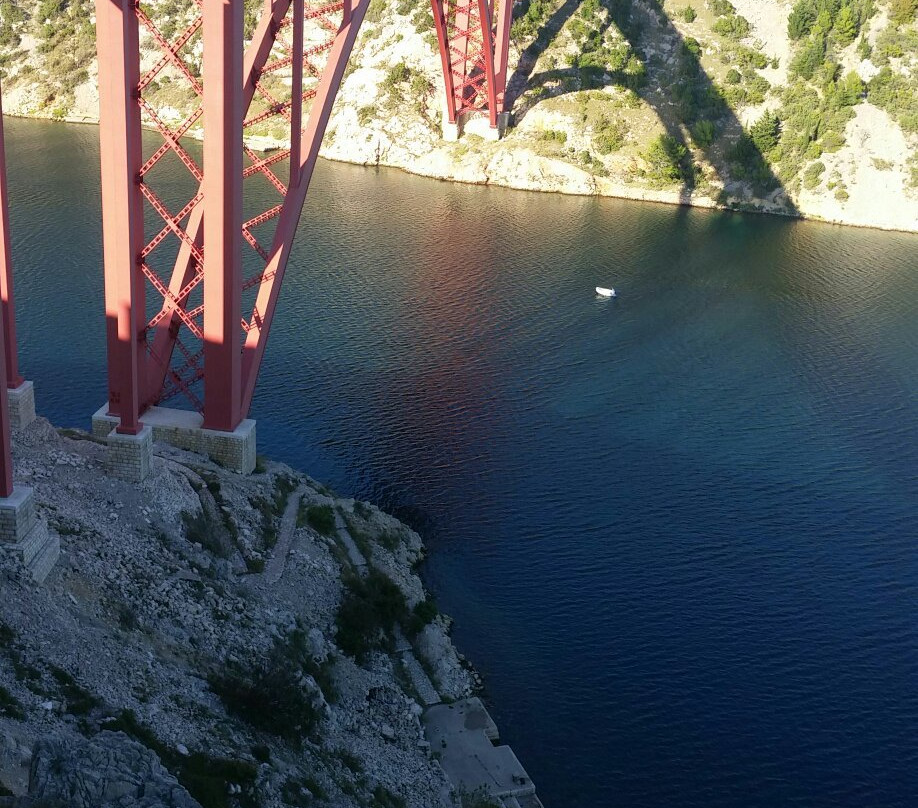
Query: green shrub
{"x": 721, "y": 7}
{"x": 370, "y": 609}
{"x": 732, "y": 27}
{"x": 813, "y": 175}
{"x": 609, "y": 135}
{"x": 479, "y": 798}
{"x": 832, "y": 141}
{"x": 375, "y": 11}
{"x": 321, "y": 518}
{"x": 424, "y": 613}
{"x": 801, "y": 19}
{"x": 756, "y": 88}
{"x": 396, "y": 75}
{"x": 665, "y": 158}
{"x": 688, "y": 14}
{"x": 903, "y": 12}
{"x": 78, "y": 699}
{"x": 845, "y": 26}
{"x": 10, "y": 706}
{"x": 733, "y": 76}
{"x": 692, "y": 47}
{"x": 268, "y": 693}
{"x": 703, "y": 133}
{"x": 896, "y": 94}
{"x": 383, "y": 798}
{"x": 809, "y": 58}
{"x": 553, "y": 136}
{"x": 201, "y": 529}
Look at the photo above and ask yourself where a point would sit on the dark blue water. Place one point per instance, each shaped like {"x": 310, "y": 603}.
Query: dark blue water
{"x": 677, "y": 530}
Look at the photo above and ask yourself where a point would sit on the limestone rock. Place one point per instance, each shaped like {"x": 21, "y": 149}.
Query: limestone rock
{"x": 107, "y": 771}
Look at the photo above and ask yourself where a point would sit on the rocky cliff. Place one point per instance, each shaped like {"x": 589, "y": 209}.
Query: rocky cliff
{"x": 208, "y": 639}
{"x": 805, "y": 108}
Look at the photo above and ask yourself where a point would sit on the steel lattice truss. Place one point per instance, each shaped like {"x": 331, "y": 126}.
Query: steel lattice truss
{"x": 473, "y": 47}
{"x": 192, "y": 278}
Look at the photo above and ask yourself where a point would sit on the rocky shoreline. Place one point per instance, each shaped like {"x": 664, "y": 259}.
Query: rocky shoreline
{"x": 217, "y": 640}
{"x": 524, "y": 170}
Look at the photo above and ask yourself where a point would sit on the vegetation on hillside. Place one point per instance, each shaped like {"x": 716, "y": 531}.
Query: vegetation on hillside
{"x": 659, "y": 93}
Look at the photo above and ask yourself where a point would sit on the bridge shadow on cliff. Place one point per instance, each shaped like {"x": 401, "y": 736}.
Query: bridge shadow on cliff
{"x": 671, "y": 80}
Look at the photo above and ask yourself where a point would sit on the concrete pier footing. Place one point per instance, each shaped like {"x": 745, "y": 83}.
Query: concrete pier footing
{"x": 233, "y": 450}
{"x": 21, "y": 405}
{"x": 130, "y": 456}
{"x": 24, "y": 533}
{"x": 482, "y": 127}
{"x": 475, "y": 125}
{"x": 450, "y": 131}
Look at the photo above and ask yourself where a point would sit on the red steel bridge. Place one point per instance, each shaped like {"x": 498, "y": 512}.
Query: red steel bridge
{"x": 191, "y": 287}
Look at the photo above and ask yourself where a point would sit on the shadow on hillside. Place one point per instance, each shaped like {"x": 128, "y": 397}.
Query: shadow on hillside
{"x": 675, "y": 86}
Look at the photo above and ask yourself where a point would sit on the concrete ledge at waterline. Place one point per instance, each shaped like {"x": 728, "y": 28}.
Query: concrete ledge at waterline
{"x": 183, "y": 429}
{"x": 21, "y": 405}
{"x": 463, "y": 735}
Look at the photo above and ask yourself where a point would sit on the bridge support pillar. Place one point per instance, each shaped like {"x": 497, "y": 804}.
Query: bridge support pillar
{"x": 482, "y": 126}
{"x": 21, "y": 403}
{"x": 451, "y": 130}
{"x": 23, "y": 532}
{"x": 130, "y": 456}
{"x": 184, "y": 429}
{"x": 474, "y": 125}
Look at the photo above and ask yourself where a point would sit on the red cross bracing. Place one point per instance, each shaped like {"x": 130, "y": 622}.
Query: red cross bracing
{"x": 193, "y": 271}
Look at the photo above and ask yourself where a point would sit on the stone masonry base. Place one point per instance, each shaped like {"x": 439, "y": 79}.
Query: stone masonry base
{"x": 129, "y": 456}
{"x": 233, "y": 450}
{"x": 26, "y": 535}
{"x": 21, "y": 403}
{"x": 474, "y": 125}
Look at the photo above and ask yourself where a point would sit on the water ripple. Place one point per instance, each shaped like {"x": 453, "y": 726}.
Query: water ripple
{"x": 677, "y": 529}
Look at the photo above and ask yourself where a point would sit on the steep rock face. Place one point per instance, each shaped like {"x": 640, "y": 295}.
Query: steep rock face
{"x": 206, "y": 637}
{"x": 107, "y": 771}
{"x": 670, "y": 101}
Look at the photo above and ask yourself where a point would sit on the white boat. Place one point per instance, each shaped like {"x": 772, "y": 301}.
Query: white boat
{"x": 601, "y": 290}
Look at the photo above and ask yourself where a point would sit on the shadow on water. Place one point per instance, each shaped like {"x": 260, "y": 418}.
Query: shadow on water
{"x": 669, "y": 78}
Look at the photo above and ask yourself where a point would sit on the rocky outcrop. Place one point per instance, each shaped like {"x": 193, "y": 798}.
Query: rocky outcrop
{"x": 169, "y": 660}
{"x": 109, "y": 770}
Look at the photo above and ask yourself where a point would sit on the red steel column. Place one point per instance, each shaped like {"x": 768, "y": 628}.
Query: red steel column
{"x": 122, "y": 211}
{"x": 296, "y": 90}
{"x": 487, "y": 48}
{"x": 13, "y": 379}
{"x": 504, "y": 11}
{"x": 442, "y": 26}
{"x": 222, "y": 214}
{"x": 6, "y": 459}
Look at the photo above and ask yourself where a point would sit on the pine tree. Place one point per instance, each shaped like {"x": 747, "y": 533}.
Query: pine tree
{"x": 801, "y": 19}
{"x": 845, "y": 26}
{"x": 851, "y": 89}
{"x": 765, "y": 132}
